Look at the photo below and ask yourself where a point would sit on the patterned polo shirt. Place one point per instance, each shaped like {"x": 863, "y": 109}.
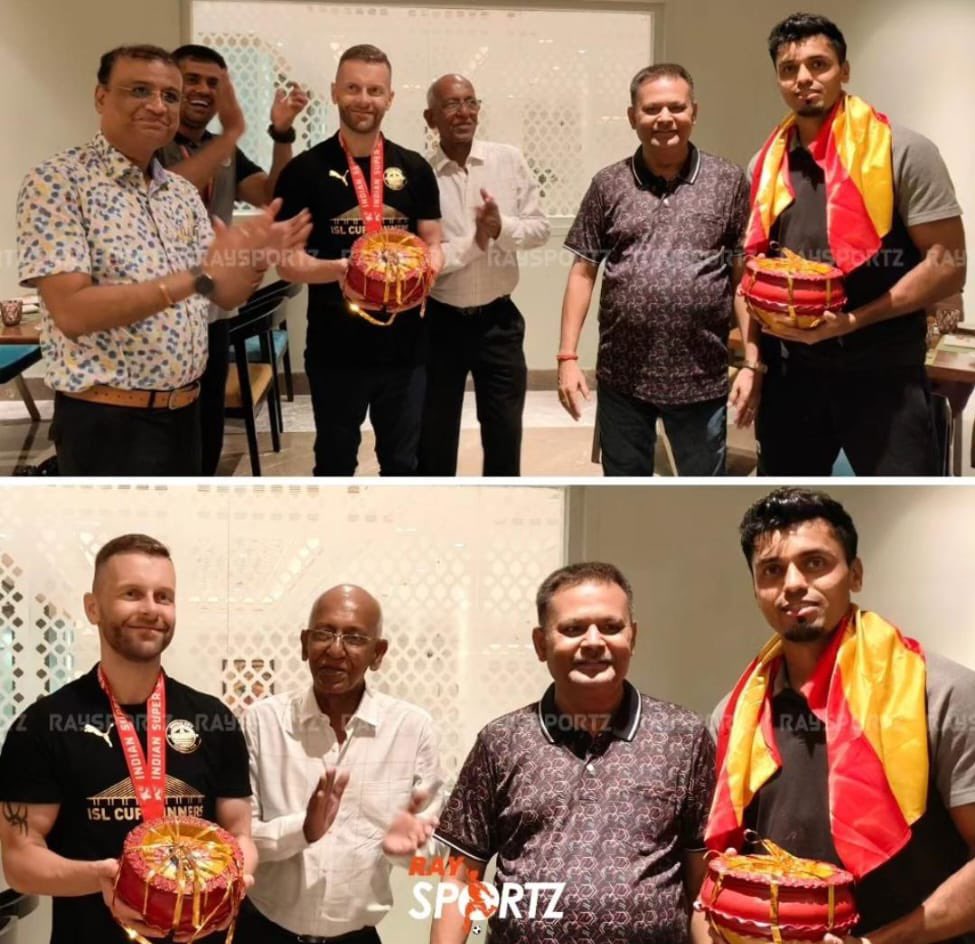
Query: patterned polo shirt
{"x": 667, "y": 249}
{"x": 90, "y": 209}
{"x": 610, "y": 816}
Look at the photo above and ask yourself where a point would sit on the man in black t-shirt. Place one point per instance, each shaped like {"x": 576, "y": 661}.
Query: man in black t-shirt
{"x": 223, "y": 173}
{"x": 353, "y": 366}
{"x": 67, "y": 795}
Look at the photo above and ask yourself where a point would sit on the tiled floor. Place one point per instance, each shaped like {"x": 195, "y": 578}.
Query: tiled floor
{"x": 553, "y": 444}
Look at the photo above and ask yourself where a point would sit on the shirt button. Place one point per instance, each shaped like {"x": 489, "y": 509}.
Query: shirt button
{"x": 590, "y": 768}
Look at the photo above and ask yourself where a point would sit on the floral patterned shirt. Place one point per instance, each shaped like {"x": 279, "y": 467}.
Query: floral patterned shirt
{"x": 90, "y": 209}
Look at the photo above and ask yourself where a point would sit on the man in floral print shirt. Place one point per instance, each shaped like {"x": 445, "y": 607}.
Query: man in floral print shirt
{"x": 126, "y": 262}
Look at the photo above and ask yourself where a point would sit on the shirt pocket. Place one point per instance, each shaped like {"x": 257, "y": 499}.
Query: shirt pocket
{"x": 375, "y": 803}
{"x": 702, "y": 231}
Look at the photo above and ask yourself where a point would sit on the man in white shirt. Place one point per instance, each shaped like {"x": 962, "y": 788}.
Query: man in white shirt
{"x": 361, "y": 756}
{"x": 490, "y": 209}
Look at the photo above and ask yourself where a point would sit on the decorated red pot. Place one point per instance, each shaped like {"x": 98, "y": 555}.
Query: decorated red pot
{"x": 388, "y": 269}
{"x": 182, "y": 874}
{"x": 791, "y": 291}
{"x": 776, "y": 897}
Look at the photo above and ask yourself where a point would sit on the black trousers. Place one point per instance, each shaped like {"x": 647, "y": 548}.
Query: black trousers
{"x": 881, "y": 419}
{"x": 341, "y": 397}
{"x": 98, "y": 439}
{"x": 254, "y": 928}
{"x": 213, "y": 388}
{"x": 488, "y": 343}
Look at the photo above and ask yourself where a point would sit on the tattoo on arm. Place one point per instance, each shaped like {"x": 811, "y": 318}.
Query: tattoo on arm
{"x": 16, "y": 816}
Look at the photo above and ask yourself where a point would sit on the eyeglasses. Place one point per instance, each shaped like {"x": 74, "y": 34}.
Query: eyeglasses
{"x": 454, "y": 105}
{"x": 325, "y": 638}
{"x": 145, "y": 93}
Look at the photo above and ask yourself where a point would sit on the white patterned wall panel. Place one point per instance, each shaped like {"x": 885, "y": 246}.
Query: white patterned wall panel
{"x": 554, "y": 83}
{"x": 455, "y": 568}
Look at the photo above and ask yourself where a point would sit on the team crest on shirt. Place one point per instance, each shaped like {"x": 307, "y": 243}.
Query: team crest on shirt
{"x": 394, "y": 178}
{"x": 182, "y": 736}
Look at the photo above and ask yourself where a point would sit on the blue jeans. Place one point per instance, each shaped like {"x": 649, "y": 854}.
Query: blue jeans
{"x": 627, "y": 430}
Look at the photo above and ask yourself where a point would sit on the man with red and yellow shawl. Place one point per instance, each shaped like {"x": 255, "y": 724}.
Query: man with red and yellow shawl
{"x": 836, "y": 182}
{"x": 844, "y": 740}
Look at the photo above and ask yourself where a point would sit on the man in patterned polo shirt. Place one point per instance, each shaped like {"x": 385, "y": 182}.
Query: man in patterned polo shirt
{"x": 666, "y": 224}
{"x": 126, "y": 263}
{"x": 595, "y": 786}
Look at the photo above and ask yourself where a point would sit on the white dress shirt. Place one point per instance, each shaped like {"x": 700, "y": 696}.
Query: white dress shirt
{"x": 472, "y": 276}
{"x": 341, "y": 882}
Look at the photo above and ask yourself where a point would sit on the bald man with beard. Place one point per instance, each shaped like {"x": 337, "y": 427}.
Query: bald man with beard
{"x": 331, "y": 767}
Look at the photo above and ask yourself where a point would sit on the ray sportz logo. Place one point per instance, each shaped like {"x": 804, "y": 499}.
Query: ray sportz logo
{"x": 477, "y": 900}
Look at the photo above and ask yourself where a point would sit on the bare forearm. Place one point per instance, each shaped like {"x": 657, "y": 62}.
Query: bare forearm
{"x": 306, "y": 269}
{"x": 575, "y": 305}
{"x": 450, "y": 927}
{"x": 949, "y": 912}
{"x": 749, "y": 330}
{"x": 36, "y": 870}
{"x": 249, "y": 849}
{"x": 937, "y": 277}
{"x": 699, "y": 933}
{"x": 200, "y": 167}
{"x": 279, "y": 158}
{"x": 102, "y": 307}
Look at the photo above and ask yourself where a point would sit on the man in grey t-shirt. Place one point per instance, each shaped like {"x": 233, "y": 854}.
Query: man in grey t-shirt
{"x": 914, "y": 879}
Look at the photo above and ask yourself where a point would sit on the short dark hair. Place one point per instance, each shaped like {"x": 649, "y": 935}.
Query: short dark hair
{"x": 365, "y": 52}
{"x": 662, "y": 70}
{"x": 800, "y": 26}
{"x": 200, "y": 53}
{"x": 130, "y": 544}
{"x": 788, "y": 506}
{"x": 141, "y": 51}
{"x": 574, "y": 574}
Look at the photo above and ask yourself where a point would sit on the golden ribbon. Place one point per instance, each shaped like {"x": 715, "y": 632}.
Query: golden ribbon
{"x": 394, "y": 258}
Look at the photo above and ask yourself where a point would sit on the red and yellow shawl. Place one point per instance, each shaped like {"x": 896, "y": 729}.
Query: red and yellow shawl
{"x": 854, "y": 150}
{"x": 869, "y": 690}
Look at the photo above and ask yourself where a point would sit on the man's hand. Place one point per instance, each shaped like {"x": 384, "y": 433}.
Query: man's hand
{"x": 849, "y": 939}
{"x": 323, "y": 805}
{"x": 746, "y": 392}
{"x": 487, "y": 219}
{"x": 835, "y": 325}
{"x": 107, "y": 870}
{"x": 408, "y": 832}
{"x": 287, "y": 106}
{"x": 229, "y": 112}
{"x": 573, "y": 388}
{"x": 288, "y": 237}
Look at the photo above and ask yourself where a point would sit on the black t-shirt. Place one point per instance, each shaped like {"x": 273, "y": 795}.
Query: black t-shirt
{"x": 319, "y": 179}
{"x": 64, "y": 749}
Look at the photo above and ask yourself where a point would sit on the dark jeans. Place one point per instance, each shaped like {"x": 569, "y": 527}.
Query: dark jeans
{"x": 881, "y": 419}
{"x": 488, "y": 343}
{"x": 627, "y": 430}
{"x": 340, "y": 399}
{"x": 254, "y": 928}
{"x": 213, "y": 388}
{"x": 98, "y": 439}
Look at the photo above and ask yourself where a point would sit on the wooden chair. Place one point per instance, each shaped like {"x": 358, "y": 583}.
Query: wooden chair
{"x": 249, "y": 383}
{"x": 280, "y": 352}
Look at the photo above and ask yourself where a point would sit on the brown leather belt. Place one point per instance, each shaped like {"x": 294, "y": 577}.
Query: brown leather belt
{"x": 139, "y": 399}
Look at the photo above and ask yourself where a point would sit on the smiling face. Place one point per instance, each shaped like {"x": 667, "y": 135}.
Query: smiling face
{"x": 454, "y": 112}
{"x": 139, "y": 106}
{"x": 201, "y": 80}
{"x": 133, "y": 603}
{"x": 803, "y": 582}
{"x": 587, "y": 640}
{"x": 663, "y": 115}
{"x": 810, "y": 76}
{"x": 362, "y": 92}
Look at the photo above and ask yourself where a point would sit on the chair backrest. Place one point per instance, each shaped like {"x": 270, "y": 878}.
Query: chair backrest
{"x": 256, "y": 314}
{"x": 941, "y": 414}
{"x": 8, "y": 929}
{"x": 17, "y": 903}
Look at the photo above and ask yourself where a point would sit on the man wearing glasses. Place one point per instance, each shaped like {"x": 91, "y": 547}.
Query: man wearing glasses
{"x": 338, "y": 752}
{"x": 491, "y": 209}
{"x": 126, "y": 263}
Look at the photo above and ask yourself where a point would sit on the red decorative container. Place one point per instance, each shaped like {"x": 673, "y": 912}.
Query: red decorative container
{"x": 388, "y": 269}
{"x": 759, "y": 898}
{"x": 182, "y": 874}
{"x": 791, "y": 291}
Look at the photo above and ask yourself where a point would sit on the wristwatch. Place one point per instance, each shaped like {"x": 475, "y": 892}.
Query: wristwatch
{"x": 282, "y": 137}
{"x": 203, "y": 283}
{"x": 756, "y": 366}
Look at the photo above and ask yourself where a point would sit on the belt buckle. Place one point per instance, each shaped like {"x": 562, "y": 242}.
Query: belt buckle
{"x": 170, "y": 400}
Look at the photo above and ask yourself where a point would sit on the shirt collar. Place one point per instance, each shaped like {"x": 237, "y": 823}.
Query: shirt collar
{"x": 369, "y": 710}
{"x": 478, "y": 154}
{"x": 624, "y": 724}
{"x": 647, "y": 180}
{"x": 120, "y": 168}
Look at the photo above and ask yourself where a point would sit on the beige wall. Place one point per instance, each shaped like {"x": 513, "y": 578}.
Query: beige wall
{"x": 698, "y": 621}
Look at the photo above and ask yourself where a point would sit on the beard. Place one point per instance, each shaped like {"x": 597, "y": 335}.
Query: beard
{"x": 132, "y": 644}
{"x": 811, "y": 111}
{"x": 804, "y": 632}
{"x": 360, "y": 123}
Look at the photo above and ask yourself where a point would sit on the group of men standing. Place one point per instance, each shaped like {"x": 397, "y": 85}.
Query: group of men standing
{"x": 843, "y": 740}
{"x": 129, "y": 273}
